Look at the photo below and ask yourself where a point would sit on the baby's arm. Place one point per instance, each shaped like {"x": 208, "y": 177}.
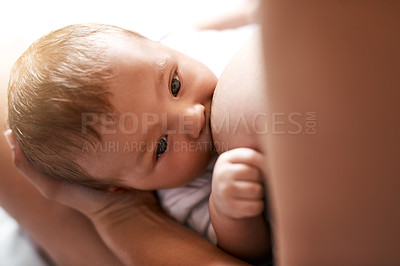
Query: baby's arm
{"x": 237, "y": 203}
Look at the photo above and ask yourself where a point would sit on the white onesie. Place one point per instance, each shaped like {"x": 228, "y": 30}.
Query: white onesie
{"x": 189, "y": 204}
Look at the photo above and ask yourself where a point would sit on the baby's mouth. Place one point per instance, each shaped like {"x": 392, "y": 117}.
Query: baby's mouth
{"x": 207, "y": 124}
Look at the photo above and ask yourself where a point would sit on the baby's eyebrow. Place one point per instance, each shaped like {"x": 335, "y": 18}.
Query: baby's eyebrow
{"x": 161, "y": 64}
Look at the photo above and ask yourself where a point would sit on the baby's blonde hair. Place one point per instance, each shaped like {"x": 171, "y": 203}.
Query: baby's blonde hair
{"x": 60, "y": 77}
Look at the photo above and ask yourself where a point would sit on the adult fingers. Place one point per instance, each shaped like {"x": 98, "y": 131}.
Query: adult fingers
{"x": 46, "y": 186}
{"x": 82, "y": 198}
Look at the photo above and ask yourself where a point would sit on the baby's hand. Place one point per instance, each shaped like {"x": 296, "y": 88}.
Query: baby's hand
{"x": 237, "y": 185}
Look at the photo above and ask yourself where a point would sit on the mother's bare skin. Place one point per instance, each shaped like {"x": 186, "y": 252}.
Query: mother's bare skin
{"x": 237, "y": 115}
{"x": 237, "y": 122}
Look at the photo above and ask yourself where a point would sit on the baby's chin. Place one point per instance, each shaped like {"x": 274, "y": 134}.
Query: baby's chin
{"x": 207, "y": 166}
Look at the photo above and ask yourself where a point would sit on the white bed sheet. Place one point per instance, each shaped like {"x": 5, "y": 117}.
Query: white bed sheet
{"x": 15, "y": 247}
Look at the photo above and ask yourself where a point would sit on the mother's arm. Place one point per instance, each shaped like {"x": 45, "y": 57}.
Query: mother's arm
{"x": 336, "y": 193}
{"x": 67, "y": 236}
{"x": 131, "y": 223}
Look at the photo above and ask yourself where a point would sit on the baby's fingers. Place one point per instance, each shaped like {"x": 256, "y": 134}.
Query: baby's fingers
{"x": 245, "y": 156}
{"x": 247, "y": 190}
{"x": 246, "y": 208}
{"x": 228, "y": 172}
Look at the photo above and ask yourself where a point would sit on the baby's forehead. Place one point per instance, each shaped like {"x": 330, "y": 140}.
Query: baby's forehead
{"x": 138, "y": 57}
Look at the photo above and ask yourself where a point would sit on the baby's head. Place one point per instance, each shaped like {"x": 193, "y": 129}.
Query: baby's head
{"x": 106, "y": 107}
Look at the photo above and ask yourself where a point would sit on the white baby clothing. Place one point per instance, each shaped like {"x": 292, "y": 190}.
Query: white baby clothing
{"x": 189, "y": 204}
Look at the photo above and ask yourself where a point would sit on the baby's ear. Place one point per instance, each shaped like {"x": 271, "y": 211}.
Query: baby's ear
{"x": 115, "y": 189}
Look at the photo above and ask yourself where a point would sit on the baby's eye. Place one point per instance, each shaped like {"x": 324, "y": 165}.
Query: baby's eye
{"x": 175, "y": 85}
{"x": 162, "y": 146}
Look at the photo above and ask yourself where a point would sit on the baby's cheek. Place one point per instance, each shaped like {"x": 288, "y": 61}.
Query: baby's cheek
{"x": 186, "y": 166}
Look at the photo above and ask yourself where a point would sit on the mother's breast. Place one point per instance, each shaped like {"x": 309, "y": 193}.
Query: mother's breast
{"x": 237, "y": 113}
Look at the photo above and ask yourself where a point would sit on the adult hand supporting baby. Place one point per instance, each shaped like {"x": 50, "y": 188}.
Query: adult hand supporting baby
{"x": 91, "y": 202}
{"x": 130, "y": 222}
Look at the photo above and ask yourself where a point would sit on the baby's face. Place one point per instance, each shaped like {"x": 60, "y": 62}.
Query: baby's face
{"x": 161, "y": 137}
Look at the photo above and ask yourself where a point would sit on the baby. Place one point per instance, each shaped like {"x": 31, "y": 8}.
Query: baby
{"x": 110, "y": 109}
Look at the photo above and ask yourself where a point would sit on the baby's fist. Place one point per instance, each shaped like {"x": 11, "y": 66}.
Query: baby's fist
{"x": 237, "y": 185}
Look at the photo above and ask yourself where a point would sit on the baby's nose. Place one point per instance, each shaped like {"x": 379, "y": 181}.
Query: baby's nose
{"x": 192, "y": 121}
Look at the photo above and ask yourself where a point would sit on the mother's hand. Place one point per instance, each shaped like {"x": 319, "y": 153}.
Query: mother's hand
{"x": 131, "y": 223}
{"x": 114, "y": 214}
{"x": 95, "y": 204}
